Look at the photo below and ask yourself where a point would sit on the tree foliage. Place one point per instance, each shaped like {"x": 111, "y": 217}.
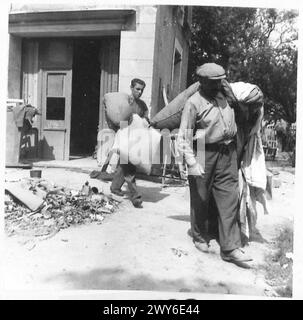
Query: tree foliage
{"x": 253, "y": 45}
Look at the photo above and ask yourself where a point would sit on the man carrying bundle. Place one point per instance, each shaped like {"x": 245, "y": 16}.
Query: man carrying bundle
{"x": 208, "y": 114}
{"x": 127, "y": 172}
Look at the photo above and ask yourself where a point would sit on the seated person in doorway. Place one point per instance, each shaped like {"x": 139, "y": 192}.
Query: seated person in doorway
{"x": 127, "y": 172}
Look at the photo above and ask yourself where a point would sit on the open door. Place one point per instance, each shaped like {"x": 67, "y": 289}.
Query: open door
{"x": 56, "y": 108}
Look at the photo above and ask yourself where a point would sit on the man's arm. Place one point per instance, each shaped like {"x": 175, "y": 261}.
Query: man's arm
{"x": 145, "y": 111}
{"x": 185, "y": 135}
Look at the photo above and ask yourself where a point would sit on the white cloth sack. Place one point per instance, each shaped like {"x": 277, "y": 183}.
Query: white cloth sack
{"x": 244, "y": 92}
{"x": 253, "y": 165}
{"x": 252, "y": 175}
{"x": 117, "y": 108}
{"x": 138, "y": 144}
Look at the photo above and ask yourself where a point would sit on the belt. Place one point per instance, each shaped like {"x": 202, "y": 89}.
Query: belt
{"x": 219, "y": 146}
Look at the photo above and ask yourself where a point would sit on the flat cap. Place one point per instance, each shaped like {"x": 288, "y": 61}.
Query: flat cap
{"x": 211, "y": 71}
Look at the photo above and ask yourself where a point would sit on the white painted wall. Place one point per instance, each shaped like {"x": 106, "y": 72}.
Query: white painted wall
{"x": 137, "y": 52}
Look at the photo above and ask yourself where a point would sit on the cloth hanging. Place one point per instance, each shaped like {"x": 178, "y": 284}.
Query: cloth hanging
{"x": 23, "y": 112}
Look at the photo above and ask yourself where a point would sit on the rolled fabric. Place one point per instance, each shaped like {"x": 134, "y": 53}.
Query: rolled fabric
{"x": 170, "y": 116}
{"x": 117, "y": 108}
{"x": 247, "y": 93}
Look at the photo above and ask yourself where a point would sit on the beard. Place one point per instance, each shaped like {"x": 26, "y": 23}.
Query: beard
{"x": 210, "y": 92}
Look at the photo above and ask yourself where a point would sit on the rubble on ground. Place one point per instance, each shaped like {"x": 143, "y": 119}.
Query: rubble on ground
{"x": 61, "y": 208}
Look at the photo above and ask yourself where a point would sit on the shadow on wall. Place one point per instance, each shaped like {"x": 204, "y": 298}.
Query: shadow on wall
{"x": 32, "y": 148}
{"x": 28, "y": 143}
{"x": 46, "y": 151}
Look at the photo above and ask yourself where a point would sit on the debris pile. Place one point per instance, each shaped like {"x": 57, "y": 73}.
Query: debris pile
{"x": 60, "y": 207}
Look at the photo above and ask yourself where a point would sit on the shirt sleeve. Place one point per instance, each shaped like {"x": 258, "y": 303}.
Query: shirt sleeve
{"x": 185, "y": 135}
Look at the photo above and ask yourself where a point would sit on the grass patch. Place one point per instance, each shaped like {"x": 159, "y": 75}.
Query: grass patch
{"x": 279, "y": 263}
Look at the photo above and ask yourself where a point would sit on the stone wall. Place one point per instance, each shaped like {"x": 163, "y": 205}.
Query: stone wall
{"x": 137, "y": 52}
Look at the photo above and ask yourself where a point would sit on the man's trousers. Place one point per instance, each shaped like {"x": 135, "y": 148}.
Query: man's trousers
{"x": 126, "y": 173}
{"x": 220, "y": 181}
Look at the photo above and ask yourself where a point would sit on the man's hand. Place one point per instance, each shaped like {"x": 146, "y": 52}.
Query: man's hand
{"x": 146, "y": 123}
{"x": 196, "y": 170}
{"x": 228, "y": 92}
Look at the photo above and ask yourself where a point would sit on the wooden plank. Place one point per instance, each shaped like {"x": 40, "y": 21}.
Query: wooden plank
{"x": 25, "y": 196}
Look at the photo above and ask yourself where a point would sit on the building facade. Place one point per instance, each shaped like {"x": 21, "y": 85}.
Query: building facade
{"x": 64, "y": 58}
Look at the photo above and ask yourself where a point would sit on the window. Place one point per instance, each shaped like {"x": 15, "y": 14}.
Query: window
{"x": 55, "y": 100}
{"x": 177, "y": 68}
{"x": 55, "y": 108}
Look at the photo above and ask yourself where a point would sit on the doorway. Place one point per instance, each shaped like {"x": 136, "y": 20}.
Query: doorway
{"x": 85, "y": 97}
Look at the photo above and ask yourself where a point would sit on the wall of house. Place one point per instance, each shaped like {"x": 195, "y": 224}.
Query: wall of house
{"x": 13, "y": 92}
{"x": 146, "y": 52}
{"x": 30, "y": 94}
{"x": 137, "y": 51}
{"x": 167, "y": 30}
{"x": 14, "y": 68}
{"x": 147, "y": 45}
{"x": 22, "y": 84}
{"x": 24, "y": 79}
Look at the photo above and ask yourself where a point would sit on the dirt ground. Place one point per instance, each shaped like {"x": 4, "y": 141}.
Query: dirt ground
{"x": 146, "y": 249}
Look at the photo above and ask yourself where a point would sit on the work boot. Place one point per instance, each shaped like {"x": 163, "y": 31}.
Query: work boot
{"x": 119, "y": 193}
{"x": 235, "y": 256}
{"x": 202, "y": 246}
{"x": 137, "y": 203}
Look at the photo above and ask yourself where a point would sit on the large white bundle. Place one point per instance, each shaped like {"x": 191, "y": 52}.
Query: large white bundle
{"x": 247, "y": 93}
{"x": 138, "y": 144}
{"x": 170, "y": 116}
{"x": 117, "y": 108}
{"x": 253, "y": 164}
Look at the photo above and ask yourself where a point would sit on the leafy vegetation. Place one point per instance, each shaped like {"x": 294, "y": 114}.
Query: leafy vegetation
{"x": 253, "y": 45}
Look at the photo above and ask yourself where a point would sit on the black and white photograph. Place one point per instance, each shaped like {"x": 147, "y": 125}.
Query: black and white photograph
{"x": 150, "y": 150}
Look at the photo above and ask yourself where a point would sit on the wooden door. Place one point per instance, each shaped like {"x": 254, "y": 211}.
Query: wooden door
{"x": 56, "y": 111}
{"x": 55, "y": 61}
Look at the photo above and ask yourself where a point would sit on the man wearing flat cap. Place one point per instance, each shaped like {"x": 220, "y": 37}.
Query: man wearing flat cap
{"x": 208, "y": 116}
